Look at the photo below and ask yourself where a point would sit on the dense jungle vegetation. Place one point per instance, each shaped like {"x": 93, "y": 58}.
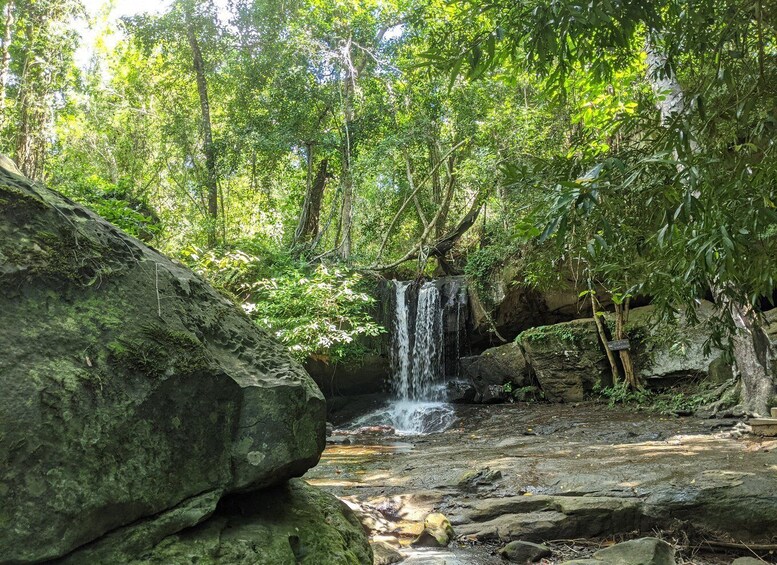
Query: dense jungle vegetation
{"x": 289, "y": 149}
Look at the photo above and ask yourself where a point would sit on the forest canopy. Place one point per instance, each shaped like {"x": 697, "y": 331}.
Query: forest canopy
{"x": 628, "y": 143}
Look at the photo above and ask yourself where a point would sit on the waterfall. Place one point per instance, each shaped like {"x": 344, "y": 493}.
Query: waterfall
{"x": 418, "y": 343}
{"x": 428, "y": 344}
{"x": 418, "y": 360}
{"x": 419, "y": 357}
{"x": 401, "y": 359}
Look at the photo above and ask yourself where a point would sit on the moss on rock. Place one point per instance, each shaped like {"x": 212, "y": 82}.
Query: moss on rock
{"x": 293, "y": 524}
{"x": 567, "y": 359}
{"x": 129, "y": 385}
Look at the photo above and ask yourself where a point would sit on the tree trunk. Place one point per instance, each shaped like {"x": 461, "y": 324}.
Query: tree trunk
{"x": 5, "y": 56}
{"x": 346, "y": 179}
{"x": 307, "y": 228}
{"x": 447, "y": 197}
{"x": 346, "y": 216}
{"x": 616, "y": 376}
{"x": 755, "y": 361}
{"x": 621, "y": 318}
{"x": 211, "y": 179}
{"x": 442, "y": 245}
{"x": 30, "y": 148}
{"x": 305, "y": 209}
{"x": 754, "y": 357}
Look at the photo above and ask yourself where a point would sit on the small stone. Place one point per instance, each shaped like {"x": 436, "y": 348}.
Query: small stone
{"x": 384, "y": 554}
{"x": 471, "y": 480}
{"x": 524, "y": 552}
{"x": 747, "y": 561}
{"x": 643, "y": 551}
{"x": 437, "y": 532}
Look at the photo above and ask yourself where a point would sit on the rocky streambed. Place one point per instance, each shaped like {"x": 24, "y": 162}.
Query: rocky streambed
{"x": 577, "y": 476}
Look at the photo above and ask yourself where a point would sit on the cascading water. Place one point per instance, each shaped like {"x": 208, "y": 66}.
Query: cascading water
{"x": 418, "y": 363}
{"x": 401, "y": 360}
{"x": 428, "y": 343}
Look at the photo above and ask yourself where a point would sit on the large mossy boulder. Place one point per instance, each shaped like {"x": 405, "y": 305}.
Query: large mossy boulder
{"x": 130, "y": 387}
{"x": 567, "y": 359}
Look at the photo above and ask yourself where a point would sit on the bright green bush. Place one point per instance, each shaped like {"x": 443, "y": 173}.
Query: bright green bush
{"x": 114, "y": 203}
{"x": 321, "y": 310}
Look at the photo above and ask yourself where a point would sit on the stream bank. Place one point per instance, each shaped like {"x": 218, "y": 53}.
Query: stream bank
{"x": 541, "y": 472}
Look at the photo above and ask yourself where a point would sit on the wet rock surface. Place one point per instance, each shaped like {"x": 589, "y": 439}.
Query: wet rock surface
{"x": 567, "y": 473}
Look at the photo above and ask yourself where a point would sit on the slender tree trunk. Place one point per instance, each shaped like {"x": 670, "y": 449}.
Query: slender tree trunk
{"x": 621, "y": 319}
{"x": 307, "y": 228}
{"x": 211, "y": 180}
{"x": 30, "y": 144}
{"x": 5, "y": 56}
{"x": 447, "y": 196}
{"x": 305, "y": 209}
{"x": 353, "y": 71}
{"x": 346, "y": 180}
{"x": 616, "y": 376}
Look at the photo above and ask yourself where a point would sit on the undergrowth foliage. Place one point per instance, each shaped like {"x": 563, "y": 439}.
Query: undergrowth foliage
{"x": 312, "y": 310}
{"x": 675, "y": 401}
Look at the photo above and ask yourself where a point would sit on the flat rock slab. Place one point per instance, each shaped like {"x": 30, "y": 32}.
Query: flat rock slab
{"x": 602, "y": 471}
{"x": 645, "y": 551}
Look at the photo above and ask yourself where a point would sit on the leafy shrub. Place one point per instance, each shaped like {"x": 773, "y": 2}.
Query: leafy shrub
{"x": 679, "y": 403}
{"x": 670, "y": 401}
{"x": 621, "y": 393}
{"x": 312, "y": 311}
{"x": 113, "y": 202}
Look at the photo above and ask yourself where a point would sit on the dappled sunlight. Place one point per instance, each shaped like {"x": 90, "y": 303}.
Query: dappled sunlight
{"x": 689, "y": 445}
{"x": 332, "y": 483}
{"x": 356, "y": 453}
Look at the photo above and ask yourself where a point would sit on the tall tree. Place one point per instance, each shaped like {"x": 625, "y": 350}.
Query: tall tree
{"x": 712, "y": 147}
{"x": 211, "y": 175}
{"x": 5, "y": 52}
{"x": 40, "y": 54}
{"x": 179, "y": 37}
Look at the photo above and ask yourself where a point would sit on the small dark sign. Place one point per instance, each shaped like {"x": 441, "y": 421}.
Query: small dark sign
{"x": 618, "y": 345}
